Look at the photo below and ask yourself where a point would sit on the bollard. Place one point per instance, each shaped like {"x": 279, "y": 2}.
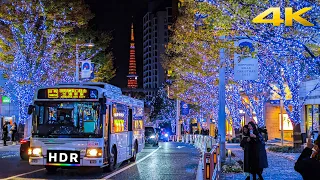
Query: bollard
{"x": 214, "y": 160}
{"x": 206, "y": 166}
{"x": 215, "y": 173}
{"x": 209, "y": 165}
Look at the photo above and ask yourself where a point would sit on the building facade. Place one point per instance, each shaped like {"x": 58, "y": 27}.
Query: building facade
{"x": 9, "y": 110}
{"x": 310, "y": 111}
{"x": 156, "y": 29}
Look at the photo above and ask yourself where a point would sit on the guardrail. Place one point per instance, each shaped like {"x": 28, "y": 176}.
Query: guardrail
{"x": 210, "y": 149}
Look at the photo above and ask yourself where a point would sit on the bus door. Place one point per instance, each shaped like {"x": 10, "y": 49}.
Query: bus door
{"x": 130, "y": 132}
{"x": 107, "y": 132}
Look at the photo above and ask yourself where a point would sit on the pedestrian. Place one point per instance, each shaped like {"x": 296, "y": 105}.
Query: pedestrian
{"x": 5, "y": 133}
{"x": 257, "y": 153}
{"x": 216, "y": 133}
{"x": 264, "y": 132}
{"x": 308, "y": 163}
{"x": 246, "y": 146}
{"x": 13, "y": 132}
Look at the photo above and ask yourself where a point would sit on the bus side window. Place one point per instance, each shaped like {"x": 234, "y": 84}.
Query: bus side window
{"x": 130, "y": 120}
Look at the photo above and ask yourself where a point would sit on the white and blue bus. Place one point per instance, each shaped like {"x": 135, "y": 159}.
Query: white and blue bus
{"x": 87, "y": 124}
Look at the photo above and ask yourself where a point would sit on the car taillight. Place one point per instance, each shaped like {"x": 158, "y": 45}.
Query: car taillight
{"x": 23, "y": 141}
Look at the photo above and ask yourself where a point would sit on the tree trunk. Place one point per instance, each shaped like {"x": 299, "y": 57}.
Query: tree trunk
{"x": 297, "y": 139}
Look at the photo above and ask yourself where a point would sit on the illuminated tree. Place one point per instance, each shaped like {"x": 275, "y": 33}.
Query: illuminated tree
{"x": 34, "y": 53}
{"x": 163, "y": 108}
{"x": 98, "y": 54}
{"x": 193, "y": 55}
{"x": 293, "y": 49}
{"x": 217, "y": 24}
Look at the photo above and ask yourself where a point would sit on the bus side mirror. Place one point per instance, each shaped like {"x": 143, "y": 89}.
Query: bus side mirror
{"x": 30, "y": 109}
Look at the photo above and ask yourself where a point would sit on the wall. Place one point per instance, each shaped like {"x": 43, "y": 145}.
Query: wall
{"x": 273, "y": 123}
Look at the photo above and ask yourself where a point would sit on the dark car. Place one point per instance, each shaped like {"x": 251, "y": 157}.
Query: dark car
{"x": 151, "y": 136}
{"x": 163, "y": 134}
{"x": 24, "y": 146}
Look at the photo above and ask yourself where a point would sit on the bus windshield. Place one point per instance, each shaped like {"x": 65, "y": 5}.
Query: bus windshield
{"x": 67, "y": 120}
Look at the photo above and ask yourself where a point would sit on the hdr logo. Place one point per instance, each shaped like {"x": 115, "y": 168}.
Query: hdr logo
{"x": 63, "y": 156}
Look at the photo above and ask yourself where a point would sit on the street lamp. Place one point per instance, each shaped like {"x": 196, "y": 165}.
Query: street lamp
{"x": 77, "y": 57}
{"x": 282, "y": 97}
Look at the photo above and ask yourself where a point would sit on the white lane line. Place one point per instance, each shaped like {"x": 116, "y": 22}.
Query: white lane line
{"x": 127, "y": 167}
{"x": 24, "y": 174}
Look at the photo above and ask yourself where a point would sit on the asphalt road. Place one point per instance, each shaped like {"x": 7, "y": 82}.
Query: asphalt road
{"x": 171, "y": 160}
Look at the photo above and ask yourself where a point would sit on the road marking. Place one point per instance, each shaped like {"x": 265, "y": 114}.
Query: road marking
{"x": 24, "y": 174}
{"x": 127, "y": 167}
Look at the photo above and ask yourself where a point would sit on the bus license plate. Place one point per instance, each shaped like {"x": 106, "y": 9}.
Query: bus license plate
{"x": 63, "y": 157}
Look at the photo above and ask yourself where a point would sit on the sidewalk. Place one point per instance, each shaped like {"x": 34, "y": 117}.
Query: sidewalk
{"x": 280, "y": 166}
{"x": 278, "y": 142}
{"x": 290, "y": 156}
{"x": 10, "y": 147}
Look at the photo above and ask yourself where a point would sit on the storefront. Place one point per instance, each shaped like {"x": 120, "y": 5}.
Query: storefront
{"x": 312, "y": 118}
{"x": 273, "y": 122}
{"x": 310, "y": 111}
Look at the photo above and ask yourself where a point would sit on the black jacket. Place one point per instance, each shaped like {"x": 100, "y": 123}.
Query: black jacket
{"x": 309, "y": 168}
{"x": 246, "y": 146}
{"x": 5, "y": 129}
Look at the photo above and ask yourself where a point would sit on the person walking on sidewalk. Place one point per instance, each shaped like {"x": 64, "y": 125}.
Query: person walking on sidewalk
{"x": 257, "y": 153}
{"x": 308, "y": 163}
{"x": 13, "y": 132}
{"x": 245, "y": 146}
{"x": 5, "y": 133}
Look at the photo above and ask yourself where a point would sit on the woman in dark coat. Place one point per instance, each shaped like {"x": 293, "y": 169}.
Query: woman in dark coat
{"x": 308, "y": 164}
{"x": 256, "y": 161}
{"x": 5, "y": 133}
{"x": 245, "y": 146}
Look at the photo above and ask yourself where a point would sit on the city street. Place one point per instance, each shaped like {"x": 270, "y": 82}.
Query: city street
{"x": 168, "y": 161}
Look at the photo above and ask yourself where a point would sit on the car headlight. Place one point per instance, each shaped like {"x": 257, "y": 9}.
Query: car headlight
{"x": 94, "y": 152}
{"x": 34, "y": 151}
{"x": 166, "y": 135}
{"x": 152, "y": 137}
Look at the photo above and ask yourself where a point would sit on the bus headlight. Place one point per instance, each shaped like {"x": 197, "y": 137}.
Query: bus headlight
{"x": 34, "y": 151}
{"x": 94, "y": 152}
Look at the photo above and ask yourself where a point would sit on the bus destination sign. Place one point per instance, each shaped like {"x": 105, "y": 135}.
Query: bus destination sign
{"x": 71, "y": 93}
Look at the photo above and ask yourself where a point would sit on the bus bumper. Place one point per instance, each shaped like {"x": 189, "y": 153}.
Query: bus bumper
{"x": 40, "y": 161}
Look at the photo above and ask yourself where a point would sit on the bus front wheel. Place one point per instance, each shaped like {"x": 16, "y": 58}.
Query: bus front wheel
{"x": 51, "y": 169}
{"x": 112, "y": 160}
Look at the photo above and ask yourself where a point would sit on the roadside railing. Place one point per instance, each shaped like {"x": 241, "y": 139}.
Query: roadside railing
{"x": 210, "y": 149}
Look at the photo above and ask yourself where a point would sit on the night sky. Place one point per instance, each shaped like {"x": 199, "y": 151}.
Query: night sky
{"x": 116, "y": 16}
